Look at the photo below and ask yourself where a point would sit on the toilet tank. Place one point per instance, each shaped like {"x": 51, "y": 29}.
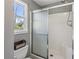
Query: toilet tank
{"x": 21, "y": 52}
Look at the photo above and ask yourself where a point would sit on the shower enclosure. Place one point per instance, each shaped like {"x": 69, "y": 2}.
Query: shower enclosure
{"x": 52, "y": 32}
{"x": 40, "y": 34}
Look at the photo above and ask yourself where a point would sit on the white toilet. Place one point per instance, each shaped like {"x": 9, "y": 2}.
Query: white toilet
{"x": 21, "y": 53}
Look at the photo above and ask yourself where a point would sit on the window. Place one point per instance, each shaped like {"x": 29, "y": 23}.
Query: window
{"x": 20, "y": 10}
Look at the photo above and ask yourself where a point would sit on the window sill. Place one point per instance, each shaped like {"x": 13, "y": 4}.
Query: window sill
{"x": 20, "y": 32}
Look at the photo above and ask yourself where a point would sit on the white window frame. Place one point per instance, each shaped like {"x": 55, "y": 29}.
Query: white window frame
{"x": 25, "y": 30}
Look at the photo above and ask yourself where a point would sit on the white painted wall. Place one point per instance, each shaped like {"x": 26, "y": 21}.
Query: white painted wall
{"x": 60, "y": 36}
{"x": 8, "y": 30}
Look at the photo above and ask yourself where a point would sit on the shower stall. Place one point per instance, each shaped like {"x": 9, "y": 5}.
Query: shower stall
{"x": 52, "y": 32}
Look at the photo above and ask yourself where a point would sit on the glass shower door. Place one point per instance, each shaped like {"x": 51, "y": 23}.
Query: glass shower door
{"x": 40, "y": 34}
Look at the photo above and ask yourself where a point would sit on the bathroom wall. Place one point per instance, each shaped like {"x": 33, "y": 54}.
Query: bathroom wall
{"x": 8, "y": 30}
{"x": 60, "y": 34}
{"x": 26, "y": 36}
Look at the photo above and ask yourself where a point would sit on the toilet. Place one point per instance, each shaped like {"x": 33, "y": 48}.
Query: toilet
{"x": 21, "y": 53}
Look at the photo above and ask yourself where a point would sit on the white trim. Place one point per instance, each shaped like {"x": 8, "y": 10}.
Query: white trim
{"x": 66, "y": 4}
{"x": 20, "y": 32}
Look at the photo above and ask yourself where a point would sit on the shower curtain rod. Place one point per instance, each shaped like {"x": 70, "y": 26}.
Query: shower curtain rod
{"x": 66, "y": 4}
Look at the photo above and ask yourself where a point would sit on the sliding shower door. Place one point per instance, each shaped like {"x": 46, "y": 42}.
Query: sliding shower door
{"x": 40, "y": 34}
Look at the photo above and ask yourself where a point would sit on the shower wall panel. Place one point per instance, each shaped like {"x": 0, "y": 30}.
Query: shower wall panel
{"x": 60, "y": 36}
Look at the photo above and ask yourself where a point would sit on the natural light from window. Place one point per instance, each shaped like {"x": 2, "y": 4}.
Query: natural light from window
{"x": 20, "y": 17}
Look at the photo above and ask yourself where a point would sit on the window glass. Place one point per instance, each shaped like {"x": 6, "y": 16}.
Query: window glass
{"x": 19, "y": 10}
{"x": 19, "y": 23}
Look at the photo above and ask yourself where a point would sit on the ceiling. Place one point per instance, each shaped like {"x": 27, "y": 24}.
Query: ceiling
{"x": 46, "y": 2}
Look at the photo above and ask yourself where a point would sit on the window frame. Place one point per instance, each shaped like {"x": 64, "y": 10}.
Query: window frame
{"x": 25, "y": 17}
